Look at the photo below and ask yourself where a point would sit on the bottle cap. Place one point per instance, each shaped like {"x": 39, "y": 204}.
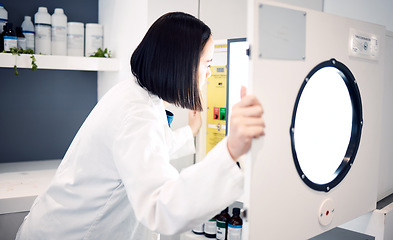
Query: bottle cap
{"x": 8, "y": 25}
{"x": 28, "y": 18}
{"x": 75, "y": 24}
{"x": 42, "y": 9}
{"x": 42, "y": 16}
{"x": 18, "y": 30}
{"x": 225, "y": 210}
{"x": 75, "y": 28}
{"x": 93, "y": 25}
{"x": 236, "y": 211}
{"x": 59, "y": 11}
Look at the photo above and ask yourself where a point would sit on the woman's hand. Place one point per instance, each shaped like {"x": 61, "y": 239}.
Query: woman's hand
{"x": 247, "y": 123}
{"x": 194, "y": 121}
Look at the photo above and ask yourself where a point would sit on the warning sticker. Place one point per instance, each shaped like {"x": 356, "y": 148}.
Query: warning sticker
{"x": 363, "y": 45}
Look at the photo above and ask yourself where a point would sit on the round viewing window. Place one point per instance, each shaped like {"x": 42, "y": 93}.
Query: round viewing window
{"x": 326, "y": 125}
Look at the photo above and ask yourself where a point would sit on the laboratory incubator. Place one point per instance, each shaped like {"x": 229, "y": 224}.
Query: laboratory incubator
{"x": 319, "y": 78}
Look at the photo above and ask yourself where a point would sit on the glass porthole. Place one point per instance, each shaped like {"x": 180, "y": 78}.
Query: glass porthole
{"x": 326, "y": 125}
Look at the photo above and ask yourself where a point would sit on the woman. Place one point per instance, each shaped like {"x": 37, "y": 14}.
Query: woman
{"x": 115, "y": 181}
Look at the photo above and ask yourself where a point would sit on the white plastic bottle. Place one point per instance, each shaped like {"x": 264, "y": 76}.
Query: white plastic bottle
{"x": 42, "y": 21}
{"x": 94, "y": 38}
{"x": 59, "y": 32}
{"x": 75, "y": 39}
{"x": 28, "y": 31}
{"x": 3, "y": 16}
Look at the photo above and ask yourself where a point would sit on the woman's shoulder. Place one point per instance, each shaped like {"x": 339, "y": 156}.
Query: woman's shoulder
{"x": 127, "y": 91}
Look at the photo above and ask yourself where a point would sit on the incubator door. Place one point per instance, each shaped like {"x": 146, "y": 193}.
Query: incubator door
{"x": 319, "y": 78}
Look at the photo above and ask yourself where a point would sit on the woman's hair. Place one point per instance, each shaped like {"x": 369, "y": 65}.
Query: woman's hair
{"x": 166, "y": 61}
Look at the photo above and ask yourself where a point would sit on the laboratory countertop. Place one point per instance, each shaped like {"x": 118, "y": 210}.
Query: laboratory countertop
{"x": 22, "y": 182}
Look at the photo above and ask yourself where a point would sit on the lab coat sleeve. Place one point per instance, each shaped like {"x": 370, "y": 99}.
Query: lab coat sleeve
{"x": 181, "y": 142}
{"x": 163, "y": 199}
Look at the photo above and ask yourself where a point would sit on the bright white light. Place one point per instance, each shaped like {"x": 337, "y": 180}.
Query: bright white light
{"x": 238, "y": 73}
{"x": 323, "y": 125}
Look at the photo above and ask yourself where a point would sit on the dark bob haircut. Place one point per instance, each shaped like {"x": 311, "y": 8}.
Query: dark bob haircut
{"x": 166, "y": 61}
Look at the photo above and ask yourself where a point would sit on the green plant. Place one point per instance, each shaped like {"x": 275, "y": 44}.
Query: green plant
{"x": 102, "y": 53}
{"x": 19, "y": 51}
{"x": 33, "y": 63}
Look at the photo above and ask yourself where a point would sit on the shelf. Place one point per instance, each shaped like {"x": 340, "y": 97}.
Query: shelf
{"x": 7, "y": 60}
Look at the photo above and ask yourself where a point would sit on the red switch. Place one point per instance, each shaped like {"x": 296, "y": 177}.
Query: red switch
{"x": 216, "y": 114}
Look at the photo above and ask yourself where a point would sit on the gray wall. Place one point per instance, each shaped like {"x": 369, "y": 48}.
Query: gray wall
{"x": 40, "y": 112}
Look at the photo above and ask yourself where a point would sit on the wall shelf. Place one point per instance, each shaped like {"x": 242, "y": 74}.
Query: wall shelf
{"x": 7, "y": 60}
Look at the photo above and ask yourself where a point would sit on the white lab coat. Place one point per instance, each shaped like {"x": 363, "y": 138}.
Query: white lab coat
{"x": 116, "y": 182}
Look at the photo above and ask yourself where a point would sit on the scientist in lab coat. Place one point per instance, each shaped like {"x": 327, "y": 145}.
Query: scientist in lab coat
{"x": 115, "y": 181}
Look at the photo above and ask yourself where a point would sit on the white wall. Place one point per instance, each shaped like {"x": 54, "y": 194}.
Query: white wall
{"x": 156, "y": 8}
{"x": 125, "y": 24}
{"x": 226, "y": 18}
{"x": 310, "y": 4}
{"x": 376, "y": 11}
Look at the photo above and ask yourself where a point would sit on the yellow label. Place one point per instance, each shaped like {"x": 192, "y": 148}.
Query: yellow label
{"x": 216, "y": 106}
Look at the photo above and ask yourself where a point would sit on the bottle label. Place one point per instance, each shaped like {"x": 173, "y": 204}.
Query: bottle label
{"x": 10, "y": 42}
{"x": 43, "y": 38}
{"x": 210, "y": 227}
{"x": 75, "y": 44}
{"x": 221, "y": 230}
{"x": 198, "y": 229}
{"x": 22, "y": 43}
{"x": 59, "y": 34}
{"x": 29, "y": 35}
{"x": 234, "y": 232}
{"x": 26, "y": 32}
{"x": 93, "y": 43}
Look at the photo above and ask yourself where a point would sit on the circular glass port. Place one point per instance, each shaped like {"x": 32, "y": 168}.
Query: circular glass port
{"x": 326, "y": 125}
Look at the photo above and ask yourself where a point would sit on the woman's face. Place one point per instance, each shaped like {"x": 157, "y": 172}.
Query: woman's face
{"x": 205, "y": 61}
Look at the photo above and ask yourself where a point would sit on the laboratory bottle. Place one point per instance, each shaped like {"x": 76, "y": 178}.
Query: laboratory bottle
{"x": 28, "y": 31}
{"x": 75, "y": 39}
{"x": 198, "y": 229}
{"x": 21, "y": 40}
{"x": 9, "y": 37}
{"x": 222, "y": 224}
{"x": 3, "y": 16}
{"x": 235, "y": 225}
{"x": 94, "y": 38}
{"x": 59, "y": 32}
{"x": 2, "y": 38}
{"x": 43, "y": 34}
{"x": 210, "y": 228}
